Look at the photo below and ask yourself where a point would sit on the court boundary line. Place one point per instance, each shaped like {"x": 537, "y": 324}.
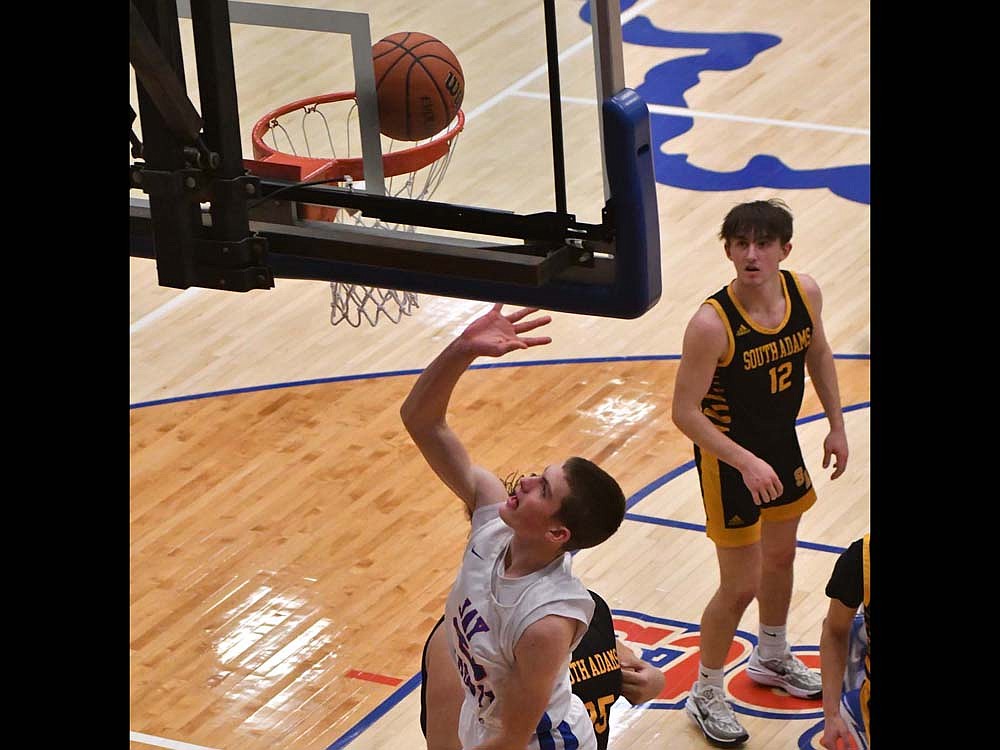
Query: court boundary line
{"x": 665, "y": 109}
{"x": 398, "y": 373}
{"x": 166, "y": 307}
{"x": 150, "y": 739}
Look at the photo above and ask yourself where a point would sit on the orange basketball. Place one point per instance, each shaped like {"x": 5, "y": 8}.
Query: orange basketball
{"x": 419, "y": 85}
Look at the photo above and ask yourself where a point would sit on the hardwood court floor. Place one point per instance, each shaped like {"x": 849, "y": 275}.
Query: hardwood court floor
{"x": 289, "y": 550}
{"x": 289, "y": 546}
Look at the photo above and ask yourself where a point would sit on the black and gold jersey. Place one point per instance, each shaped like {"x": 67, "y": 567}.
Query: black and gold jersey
{"x": 757, "y": 389}
{"x": 594, "y": 671}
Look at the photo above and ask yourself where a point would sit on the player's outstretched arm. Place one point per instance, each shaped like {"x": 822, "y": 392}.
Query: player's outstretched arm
{"x": 424, "y": 411}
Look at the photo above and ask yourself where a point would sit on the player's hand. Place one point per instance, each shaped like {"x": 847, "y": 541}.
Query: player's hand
{"x": 835, "y": 445}
{"x": 836, "y": 735}
{"x": 762, "y": 481}
{"x": 494, "y": 334}
{"x": 641, "y": 681}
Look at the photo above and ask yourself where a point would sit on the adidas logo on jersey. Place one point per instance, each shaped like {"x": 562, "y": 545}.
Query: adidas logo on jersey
{"x": 735, "y": 521}
{"x": 742, "y": 330}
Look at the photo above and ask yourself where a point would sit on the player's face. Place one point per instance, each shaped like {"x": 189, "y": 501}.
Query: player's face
{"x": 531, "y": 510}
{"x": 756, "y": 258}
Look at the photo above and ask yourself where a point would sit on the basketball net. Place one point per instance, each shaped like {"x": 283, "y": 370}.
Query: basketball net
{"x": 319, "y": 138}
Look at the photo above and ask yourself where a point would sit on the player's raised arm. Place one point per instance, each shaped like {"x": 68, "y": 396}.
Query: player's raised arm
{"x": 424, "y": 412}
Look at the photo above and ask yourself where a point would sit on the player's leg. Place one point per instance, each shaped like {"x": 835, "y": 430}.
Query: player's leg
{"x": 778, "y": 544}
{"x": 772, "y": 662}
{"x": 738, "y": 579}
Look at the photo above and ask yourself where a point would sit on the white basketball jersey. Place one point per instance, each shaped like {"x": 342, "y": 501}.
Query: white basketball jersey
{"x": 485, "y": 616}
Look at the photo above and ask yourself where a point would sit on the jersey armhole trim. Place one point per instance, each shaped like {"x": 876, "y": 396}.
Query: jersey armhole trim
{"x": 731, "y": 342}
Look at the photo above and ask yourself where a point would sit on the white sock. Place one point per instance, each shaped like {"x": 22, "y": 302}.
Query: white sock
{"x": 708, "y": 676}
{"x": 773, "y": 643}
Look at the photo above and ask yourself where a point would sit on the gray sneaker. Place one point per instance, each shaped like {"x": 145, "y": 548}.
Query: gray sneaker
{"x": 788, "y": 673}
{"x": 710, "y": 710}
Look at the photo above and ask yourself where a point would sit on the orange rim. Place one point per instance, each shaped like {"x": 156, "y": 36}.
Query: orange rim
{"x": 394, "y": 163}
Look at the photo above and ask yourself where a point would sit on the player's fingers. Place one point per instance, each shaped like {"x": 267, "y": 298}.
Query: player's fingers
{"x": 518, "y": 314}
{"x": 537, "y": 340}
{"x": 840, "y": 465}
{"x": 530, "y": 325}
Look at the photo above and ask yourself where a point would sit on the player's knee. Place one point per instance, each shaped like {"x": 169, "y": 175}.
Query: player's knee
{"x": 744, "y": 596}
{"x": 738, "y": 597}
{"x": 778, "y": 560}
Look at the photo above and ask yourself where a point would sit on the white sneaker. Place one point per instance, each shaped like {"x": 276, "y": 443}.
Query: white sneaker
{"x": 788, "y": 673}
{"x": 710, "y": 710}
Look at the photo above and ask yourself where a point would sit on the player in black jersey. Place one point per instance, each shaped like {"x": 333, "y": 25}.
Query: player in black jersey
{"x": 602, "y": 668}
{"x": 737, "y": 395}
{"x": 846, "y": 699}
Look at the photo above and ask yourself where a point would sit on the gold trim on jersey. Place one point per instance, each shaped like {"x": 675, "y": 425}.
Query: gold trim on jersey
{"x": 866, "y": 566}
{"x": 718, "y": 411}
{"x": 715, "y": 514}
{"x": 753, "y": 323}
{"x": 866, "y": 696}
{"x": 784, "y": 512}
{"x": 711, "y": 495}
{"x": 724, "y": 362}
{"x": 805, "y": 298}
{"x": 715, "y": 523}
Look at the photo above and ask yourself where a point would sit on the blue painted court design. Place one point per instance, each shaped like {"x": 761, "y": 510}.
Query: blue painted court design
{"x": 666, "y": 84}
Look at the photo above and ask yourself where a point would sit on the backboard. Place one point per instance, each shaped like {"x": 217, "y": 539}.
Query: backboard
{"x": 200, "y": 226}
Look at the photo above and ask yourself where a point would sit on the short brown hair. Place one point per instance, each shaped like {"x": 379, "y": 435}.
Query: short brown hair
{"x": 771, "y": 218}
{"x": 595, "y": 506}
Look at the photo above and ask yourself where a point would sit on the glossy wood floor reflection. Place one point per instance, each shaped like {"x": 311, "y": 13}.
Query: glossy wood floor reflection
{"x": 289, "y": 549}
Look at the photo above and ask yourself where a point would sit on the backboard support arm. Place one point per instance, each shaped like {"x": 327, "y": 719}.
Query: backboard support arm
{"x": 555, "y": 106}
{"x": 184, "y": 152}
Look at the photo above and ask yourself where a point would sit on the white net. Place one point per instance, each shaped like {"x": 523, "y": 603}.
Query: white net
{"x": 351, "y": 303}
{"x": 330, "y": 130}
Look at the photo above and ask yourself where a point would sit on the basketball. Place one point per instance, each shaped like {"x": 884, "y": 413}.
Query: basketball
{"x": 419, "y": 85}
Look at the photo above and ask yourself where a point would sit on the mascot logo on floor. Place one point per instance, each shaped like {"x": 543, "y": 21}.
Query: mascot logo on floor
{"x": 674, "y": 648}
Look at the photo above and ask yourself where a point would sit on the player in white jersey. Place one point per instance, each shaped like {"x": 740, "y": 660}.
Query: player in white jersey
{"x": 516, "y": 611}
